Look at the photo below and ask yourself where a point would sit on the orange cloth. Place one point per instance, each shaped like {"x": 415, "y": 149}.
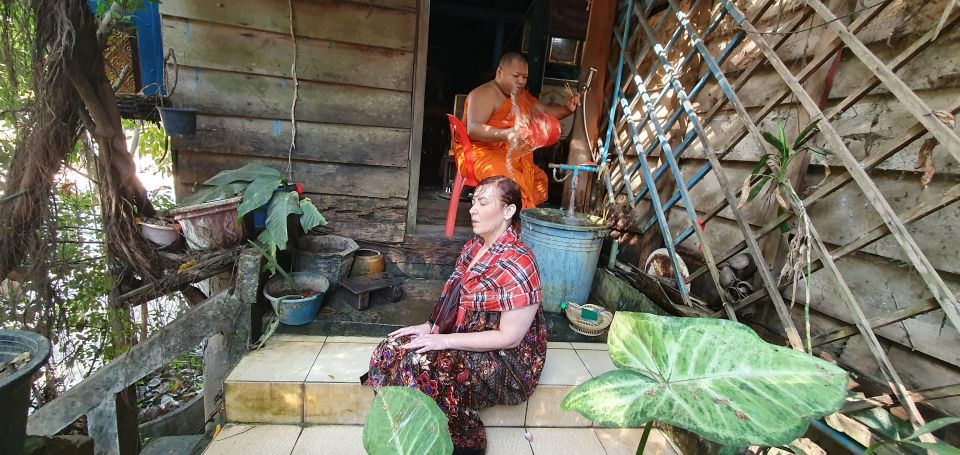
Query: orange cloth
{"x": 490, "y": 158}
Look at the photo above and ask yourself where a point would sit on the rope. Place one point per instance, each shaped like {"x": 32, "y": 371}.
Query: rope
{"x": 293, "y": 106}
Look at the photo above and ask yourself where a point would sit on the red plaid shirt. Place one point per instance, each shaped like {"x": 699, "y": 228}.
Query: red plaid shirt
{"x": 505, "y": 278}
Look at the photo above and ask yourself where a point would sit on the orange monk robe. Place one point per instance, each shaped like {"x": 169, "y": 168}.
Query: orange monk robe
{"x": 490, "y": 158}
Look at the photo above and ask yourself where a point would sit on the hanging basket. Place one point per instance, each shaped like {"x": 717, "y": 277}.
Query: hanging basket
{"x": 180, "y": 122}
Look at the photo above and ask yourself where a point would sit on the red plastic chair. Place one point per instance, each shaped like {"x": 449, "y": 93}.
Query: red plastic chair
{"x": 458, "y": 134}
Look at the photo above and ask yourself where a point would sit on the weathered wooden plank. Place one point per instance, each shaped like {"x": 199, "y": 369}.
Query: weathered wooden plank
{"x": 315, "y": 141}
{"x": 324, "y": 19}
{"x": 378, "y": 220}
{"x": 917, "y": 107}
{"x": 416, "y": 136}
{"x": 845, "y": 217}
{"x": 344, "y": 179}
{"x": 187, "y": 331}
{"x": 898, "y": 20}
{"x": 217, "y": 46}
{"x": 899, "y": 231}
{"x": 247, "y": 95}
{"x": 936, "y": 284}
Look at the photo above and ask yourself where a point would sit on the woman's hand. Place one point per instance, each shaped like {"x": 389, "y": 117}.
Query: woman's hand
{"x": 429, "y": 342}
{"x": 415, "y": 330}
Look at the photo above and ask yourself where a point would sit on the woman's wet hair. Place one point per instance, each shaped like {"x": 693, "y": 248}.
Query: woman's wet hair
{"x": 509, "y": 193}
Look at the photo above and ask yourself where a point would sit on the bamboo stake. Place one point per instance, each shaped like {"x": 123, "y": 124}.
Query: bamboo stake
{"x": 870, "y": 188}
{"x": 897, "y": 87}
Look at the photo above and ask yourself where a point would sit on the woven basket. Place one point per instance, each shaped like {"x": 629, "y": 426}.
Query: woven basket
{"x": 585, "y": 327}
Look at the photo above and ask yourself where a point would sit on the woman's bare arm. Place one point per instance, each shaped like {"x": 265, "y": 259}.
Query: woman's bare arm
{"x": 514, "y": 324}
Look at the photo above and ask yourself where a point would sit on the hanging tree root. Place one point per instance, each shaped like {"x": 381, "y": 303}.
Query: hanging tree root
{"x": 70, "y": 84}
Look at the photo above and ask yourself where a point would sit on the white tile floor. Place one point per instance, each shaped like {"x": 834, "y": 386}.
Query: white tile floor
{"x": 241, "y": 439}
{"x": 302, "y": 395}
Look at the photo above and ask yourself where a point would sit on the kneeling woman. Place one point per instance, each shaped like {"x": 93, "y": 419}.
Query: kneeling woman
{"x": 486, "y": 341}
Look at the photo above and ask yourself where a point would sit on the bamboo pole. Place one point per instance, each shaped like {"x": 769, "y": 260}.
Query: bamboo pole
{"x": 869, "y": 188}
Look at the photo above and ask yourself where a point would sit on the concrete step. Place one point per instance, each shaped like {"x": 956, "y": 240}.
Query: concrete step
{"x": 242, "y": 439}
{"x": 314, "y": 380}
{"x": 174, "y": 445}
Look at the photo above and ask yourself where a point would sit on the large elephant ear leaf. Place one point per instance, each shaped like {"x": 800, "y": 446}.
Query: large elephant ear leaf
{"x": 402, "y": 420}
{"x": 257, "y": 194}
{"x": 310, "y": 217}
{"x": 246, "y": 173}
{"x": 281, "y": 206}
{"x": 714, "y": 377}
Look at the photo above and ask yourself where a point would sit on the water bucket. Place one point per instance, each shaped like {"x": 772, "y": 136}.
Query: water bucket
{"x": 328, "y": 255}
{"x": 178, "y": 121}
{"x": 566, "y": 249}
{"x": 291, "y": 310}
{"x": 544, "y": 131}
{"x": 15, "y": 387}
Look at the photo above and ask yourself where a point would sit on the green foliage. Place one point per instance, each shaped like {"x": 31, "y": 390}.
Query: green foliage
{"x": 714, "y": 377}
{"x": 773, "y": 167}
{"x": 914, "y": 439}
{"x": 402, "y": 420}
{"x": 262, "y": 185}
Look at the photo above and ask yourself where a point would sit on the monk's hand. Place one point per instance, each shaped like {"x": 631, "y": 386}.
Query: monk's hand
{"x": 415, "y": 330}
{"x": 429, "y": 342}
{"x": 519, "y": 138}
{"x": 573, "y": 102}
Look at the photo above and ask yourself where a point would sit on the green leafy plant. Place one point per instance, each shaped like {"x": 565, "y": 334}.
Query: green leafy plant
{"x": 771, "y": 172}
{"x": 259, "y": 186}
{"x": 714, "y": 377}
{"x": 402, "y": 420}
{"x": 914, "y": 439}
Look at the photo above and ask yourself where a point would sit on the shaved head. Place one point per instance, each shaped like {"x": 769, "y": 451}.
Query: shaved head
{"x": 510, "y": 58}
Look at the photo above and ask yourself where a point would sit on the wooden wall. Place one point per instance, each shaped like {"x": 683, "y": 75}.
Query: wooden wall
{"x": 354, "y": 115}
{"x": 924, "y": 348}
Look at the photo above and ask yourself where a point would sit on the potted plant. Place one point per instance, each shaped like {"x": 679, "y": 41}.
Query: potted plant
{"x": 296, "y": 297}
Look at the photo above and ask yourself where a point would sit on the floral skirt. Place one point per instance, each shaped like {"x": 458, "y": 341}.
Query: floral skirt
{"x": 463, "y": 382}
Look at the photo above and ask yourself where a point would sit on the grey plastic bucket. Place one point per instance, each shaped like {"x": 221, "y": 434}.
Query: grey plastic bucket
{"x": 15, "y": 388}
{"x": 566, "y": 250}
{"x": 328, "y": 255}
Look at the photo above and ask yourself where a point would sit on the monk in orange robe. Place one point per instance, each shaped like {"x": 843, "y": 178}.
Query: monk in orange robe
{"x": 489, "y": 117}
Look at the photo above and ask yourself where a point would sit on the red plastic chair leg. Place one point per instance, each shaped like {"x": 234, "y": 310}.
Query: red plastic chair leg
{"x": 452, "y": 206}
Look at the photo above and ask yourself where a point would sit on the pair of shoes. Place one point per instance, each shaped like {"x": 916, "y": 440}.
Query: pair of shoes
{"x": 468, "y": 451}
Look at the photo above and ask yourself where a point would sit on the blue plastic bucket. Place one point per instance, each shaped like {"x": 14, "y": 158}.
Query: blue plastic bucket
{"x": 566, "y": 249}
{"x": 292, "y": 310}
{"x": 181, "y": 122}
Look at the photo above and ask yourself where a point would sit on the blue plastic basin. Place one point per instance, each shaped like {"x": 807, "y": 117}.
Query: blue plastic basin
{"x": 566, "y": 249}
{"x": 296, "y": 311}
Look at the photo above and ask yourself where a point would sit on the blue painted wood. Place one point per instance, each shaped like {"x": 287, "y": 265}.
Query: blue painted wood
{"x": 688, "y": 202}
{"x": 705, "y": 169}
{"x": 626, "y": 17}
{"x": 655, "y": 199}
{"x": 676, "y": 114}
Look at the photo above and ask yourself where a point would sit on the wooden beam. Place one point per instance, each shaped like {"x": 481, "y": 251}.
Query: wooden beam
{"x": 181, "y": 279}
{"x": 596, "y": 52}
{"x": 923, "y": 266}
{"x": 912, "y": 134}
{"x": 768, "y": 281}
{"x": 897, "y": 87}
{"x": 872, "y": 192}
{"x": 184, "y": 333}
{"x": 416, "y": 122}
{"x": 887, "y": 401}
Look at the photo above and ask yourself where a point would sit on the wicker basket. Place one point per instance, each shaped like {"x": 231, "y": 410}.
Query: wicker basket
{"x": 584, "y": 327}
